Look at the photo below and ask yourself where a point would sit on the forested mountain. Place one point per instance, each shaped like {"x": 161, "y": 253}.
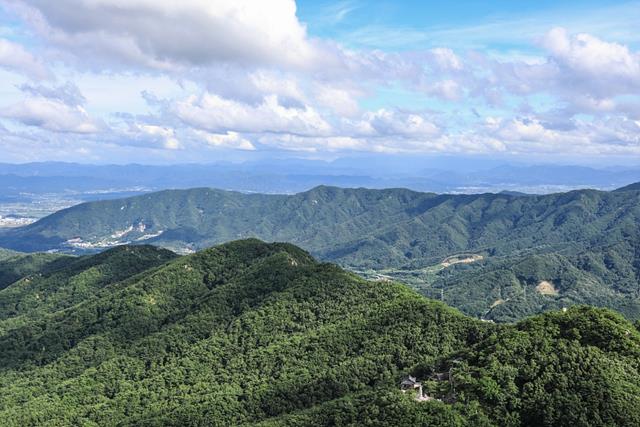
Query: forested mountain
{"x": 250, "y": 333}
{"x": 631, "y": 187}
{"x": 360, "y": 227}
{"x": 14, "y": 266}
{"x": 524, "y": 253}
{"x": 36, "y": 284}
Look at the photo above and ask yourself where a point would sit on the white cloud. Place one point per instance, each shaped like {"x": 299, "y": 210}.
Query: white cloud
{"x": 57, "y": 109}
{"x": 340, "y": 101}
{"x": 272, "y": 83}
{"x": 14, "y": 57}
{"x": 166, "y": 33}
{"x": 446, "y": 89}
{"x": 226, "y": 140}
{"x": 51, "y": 115}
{"x": 163, "y": 134}
{"x": 216, "y": 114}
{"x": 532, "y": 135}
{"x": 524, "y": 130}
{"x": 393, "y": 124}
{"x": 600, "y": 67}
{"x": 446, "y": 59}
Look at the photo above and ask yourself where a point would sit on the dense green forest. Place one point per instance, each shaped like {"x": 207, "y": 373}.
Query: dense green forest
{"x": 533, "y": 253}
{"x": 14, "y": 266}
{"x": 507, "y": 288}
{"x": 44, "y": 283}
{"x": 249, "y": 333}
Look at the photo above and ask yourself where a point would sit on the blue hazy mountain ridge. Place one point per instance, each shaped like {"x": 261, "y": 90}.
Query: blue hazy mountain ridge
{"x": 295, "y": 175}
{"x": 500, "y": 256}
{"x": 15, "y": 184}
{"x": 631, "y": 187}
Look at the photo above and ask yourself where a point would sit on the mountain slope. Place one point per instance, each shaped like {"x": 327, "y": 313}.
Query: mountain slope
{"x": 14, "y": 266}
{"x": 354, "y": 226}
{"x": 49, "y": 285}
{"x": 510, "y": 288}
{"x": 590, "y": 235}
{"x": 249, "y": 332}
{"x": 631, "y": 187}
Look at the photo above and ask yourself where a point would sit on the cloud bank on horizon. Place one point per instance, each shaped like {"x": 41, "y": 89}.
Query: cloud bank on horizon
{"x": 159, "y": 80}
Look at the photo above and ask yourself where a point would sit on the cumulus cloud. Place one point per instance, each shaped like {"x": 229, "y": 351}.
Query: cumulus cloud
{"x": 220, "y": 116}
{"x": 389, "y": 123}
{"x": 578, "y": 65}
{"x": 379, "y": 131}
{"x": 14, "y": 57}
{"x": 599, "y": 67}
{"x": 270, "y": 82}
{"x": 339, "y": 100}
{"x": 52, "y": 115}
{"x": 53, "y": 108}
{"x": 216, "y": 114}
{"x": 446, "y": 89}
{"x": 524, "y": 129}
{"x": 153, "y": 133}
{"x": 227, "y": 140}
{"x": 165, "y": 33}
{"x": 445, "y": 59}
{"x": 530, "y": 134}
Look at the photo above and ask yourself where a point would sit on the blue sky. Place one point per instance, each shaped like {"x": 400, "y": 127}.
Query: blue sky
{"x": 431, "y": 23}
{"x": 208, "y": 80}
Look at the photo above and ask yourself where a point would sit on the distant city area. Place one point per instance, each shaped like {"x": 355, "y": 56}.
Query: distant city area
{"x": 25, "y": 208}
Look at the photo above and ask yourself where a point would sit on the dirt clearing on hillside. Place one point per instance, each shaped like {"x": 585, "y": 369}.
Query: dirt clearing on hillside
{"x": 546, "y": 288}
{"x": 461, "y": 259}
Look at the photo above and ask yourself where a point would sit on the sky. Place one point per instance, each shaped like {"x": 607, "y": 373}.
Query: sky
{"x": 162, "y": 81}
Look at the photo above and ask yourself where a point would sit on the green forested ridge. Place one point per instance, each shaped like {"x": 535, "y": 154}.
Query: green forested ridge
{"x": 14, "y": 266}
{"x": 585, "y": 243}
{"x": 251, "y": 333}
{"x": 50, "y": 285}
{"x": 360, "y": 227}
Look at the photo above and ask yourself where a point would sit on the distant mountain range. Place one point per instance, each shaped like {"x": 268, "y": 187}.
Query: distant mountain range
{"x": 295, "y": 175}
{"x": 255, "y": 334}
{"x": 498, "y": 256}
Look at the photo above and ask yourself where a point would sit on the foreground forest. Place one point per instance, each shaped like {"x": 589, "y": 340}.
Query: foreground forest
{"x": 250, "y": 333}
{"x": 530, "y": 253}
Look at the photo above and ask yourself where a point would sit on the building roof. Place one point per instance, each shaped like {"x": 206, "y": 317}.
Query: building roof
{"x": 409, "y": 380}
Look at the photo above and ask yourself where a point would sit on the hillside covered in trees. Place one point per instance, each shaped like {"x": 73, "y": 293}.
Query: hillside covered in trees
{"x": 250, "y": 333}
{"x": 531, "y": 253}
